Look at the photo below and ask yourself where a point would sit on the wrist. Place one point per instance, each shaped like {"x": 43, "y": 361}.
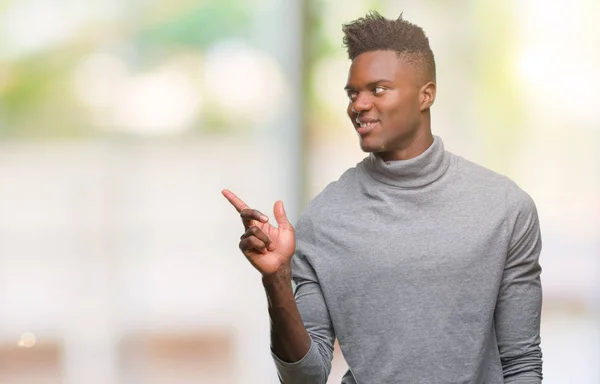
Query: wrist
{"x": 281, "y": 278}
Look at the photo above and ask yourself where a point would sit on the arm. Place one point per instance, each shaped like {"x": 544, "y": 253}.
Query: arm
{"x": 314, "y": 330}
{"x": 301, "y": 352}
{"x": 518, "y": 309}
{"x": 290, "y": 341}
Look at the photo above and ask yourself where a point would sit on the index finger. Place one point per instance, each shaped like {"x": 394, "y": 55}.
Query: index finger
{"x": 234, "y": 200}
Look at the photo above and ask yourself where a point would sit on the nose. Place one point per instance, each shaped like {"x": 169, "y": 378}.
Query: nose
{"x": 361, "y": 103}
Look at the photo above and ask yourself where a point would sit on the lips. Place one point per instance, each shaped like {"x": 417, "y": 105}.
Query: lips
{"x": 364, "y": 126}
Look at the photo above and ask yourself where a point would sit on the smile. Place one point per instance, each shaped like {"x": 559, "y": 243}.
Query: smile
{"x": 366, "y": 127}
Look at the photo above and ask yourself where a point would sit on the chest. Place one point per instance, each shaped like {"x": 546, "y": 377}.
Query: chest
{"x": 436, "y": 243}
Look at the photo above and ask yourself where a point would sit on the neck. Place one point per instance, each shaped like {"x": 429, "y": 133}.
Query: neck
{"x": 411, "y": 147}
{"x": 419, "y": 171}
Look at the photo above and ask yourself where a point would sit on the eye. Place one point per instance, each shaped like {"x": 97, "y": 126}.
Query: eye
{"x": 378, "y": 90}
{"x": 352, "y": 95}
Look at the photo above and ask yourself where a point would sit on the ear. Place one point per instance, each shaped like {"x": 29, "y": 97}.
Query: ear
{"x": 427, "y": 95}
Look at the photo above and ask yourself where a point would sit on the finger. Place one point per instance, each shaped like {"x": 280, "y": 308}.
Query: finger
{"x": 281, "y": 216}
{"x": 256, "y": 232}
{"x": 234, "y": 200}
{"x": 252, "y": 245}
{"x": 248, "y": 215}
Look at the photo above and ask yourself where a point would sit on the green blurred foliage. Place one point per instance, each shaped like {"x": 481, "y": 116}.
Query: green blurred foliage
{"x": 199, "y": 26}
{"x": 37, "y": 100}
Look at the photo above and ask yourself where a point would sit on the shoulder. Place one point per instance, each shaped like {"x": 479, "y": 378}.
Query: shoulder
{"x": 332, "y": 198}
{"x": 518, "y": 203}
{"x": 479, "y": 175}
{"x": 336, "y": 192}
{"x": 497, "y": 187}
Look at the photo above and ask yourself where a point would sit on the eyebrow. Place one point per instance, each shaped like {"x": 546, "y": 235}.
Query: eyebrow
{"x": 370, "y": 85}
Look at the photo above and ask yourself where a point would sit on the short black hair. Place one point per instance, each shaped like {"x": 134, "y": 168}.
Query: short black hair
{"x": 376, "y": 33}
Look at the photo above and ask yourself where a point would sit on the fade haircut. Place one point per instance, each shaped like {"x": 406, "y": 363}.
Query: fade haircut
{"x": 376, "y": 33}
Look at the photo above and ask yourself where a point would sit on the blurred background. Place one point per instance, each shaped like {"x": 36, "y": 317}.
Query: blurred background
{"x": 121, "y": 121}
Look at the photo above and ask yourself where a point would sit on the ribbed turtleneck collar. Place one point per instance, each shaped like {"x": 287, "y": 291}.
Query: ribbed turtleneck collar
{"x": 412, "y": 173}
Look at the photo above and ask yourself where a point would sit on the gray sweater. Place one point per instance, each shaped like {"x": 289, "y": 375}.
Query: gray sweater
{"x": 426, "y": 270}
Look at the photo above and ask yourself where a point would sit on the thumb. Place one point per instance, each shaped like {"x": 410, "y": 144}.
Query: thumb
{"x": 280, "y": 215}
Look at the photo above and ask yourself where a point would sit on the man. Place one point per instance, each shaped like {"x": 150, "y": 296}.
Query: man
{"x": 422, "y": 264}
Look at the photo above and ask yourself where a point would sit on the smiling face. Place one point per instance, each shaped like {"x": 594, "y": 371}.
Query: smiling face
{"x": 389, "y": 104}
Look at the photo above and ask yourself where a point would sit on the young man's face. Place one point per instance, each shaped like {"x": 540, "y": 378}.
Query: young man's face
{"x": 387, "y": 99}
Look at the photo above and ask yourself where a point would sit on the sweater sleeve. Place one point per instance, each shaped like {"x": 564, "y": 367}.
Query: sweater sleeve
{"x": 315, "y": 366}
{"x": 518, "y": 308}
